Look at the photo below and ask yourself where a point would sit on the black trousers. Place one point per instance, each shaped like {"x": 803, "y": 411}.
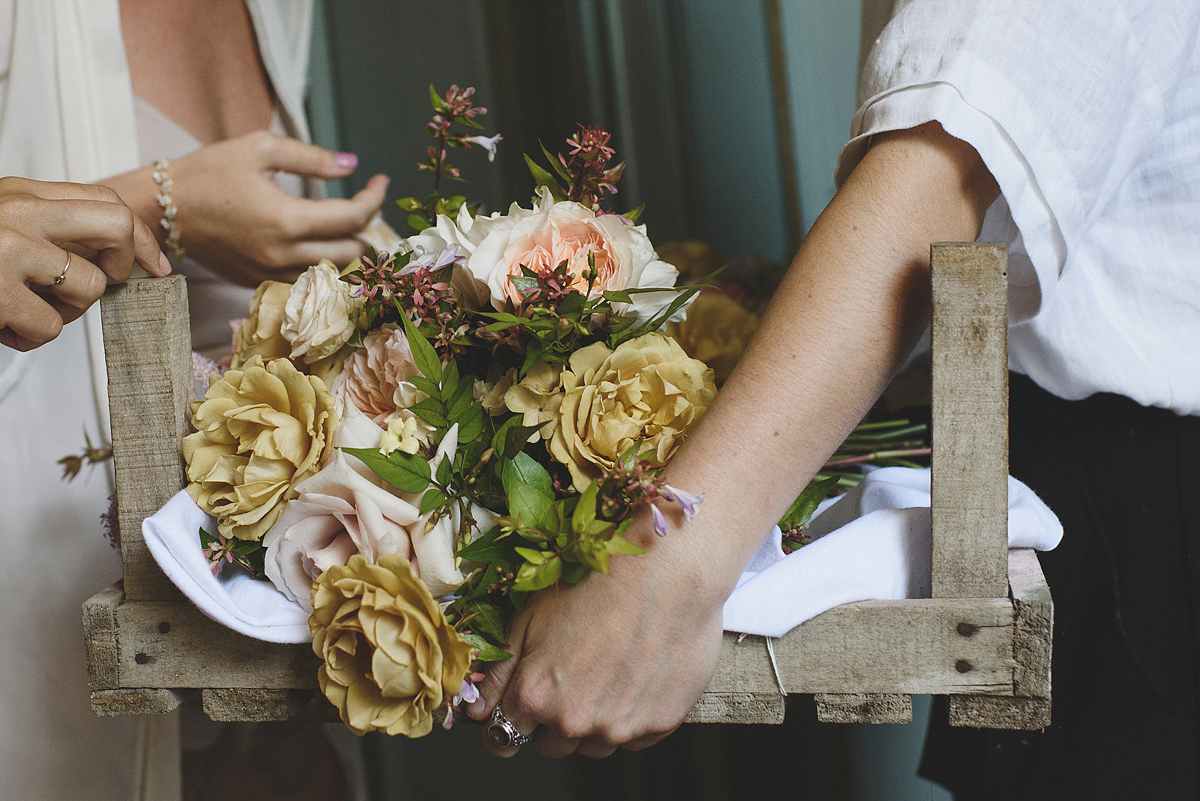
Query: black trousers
{"x": 1125, "y": 481}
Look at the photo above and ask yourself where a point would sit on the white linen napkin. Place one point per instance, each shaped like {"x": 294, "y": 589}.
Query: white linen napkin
{"x": 254, "y": 608}
{"x": 873, "y": 543}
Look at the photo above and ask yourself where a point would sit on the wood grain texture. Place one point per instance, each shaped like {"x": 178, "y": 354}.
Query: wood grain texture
{"x": 725, "y": 707}
{"x": 999, "y": 712}
{"x": 172, "y": 644}
{"x": 863, "y": 708}
{"x": 140, "y": 701}
{"x": 100, "y": 638}
{"x": 890, "y": 647}
{"x": 1034, "y": 634}
{"x": 969, "y": 490}
{"x": 256, "y": 705}
{"x": 147, "y": 346}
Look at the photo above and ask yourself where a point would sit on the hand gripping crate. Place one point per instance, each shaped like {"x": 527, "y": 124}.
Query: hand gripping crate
{"x": 983, "y": 639}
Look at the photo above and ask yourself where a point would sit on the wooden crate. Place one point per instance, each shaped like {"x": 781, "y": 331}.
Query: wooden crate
{"x": 983, "y": 639}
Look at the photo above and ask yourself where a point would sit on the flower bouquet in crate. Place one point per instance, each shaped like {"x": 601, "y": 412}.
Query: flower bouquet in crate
{"x": 408, "y": 447}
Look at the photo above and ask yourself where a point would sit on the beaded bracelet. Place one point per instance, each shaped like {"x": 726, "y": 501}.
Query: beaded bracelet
{"x": 162, "y": 180}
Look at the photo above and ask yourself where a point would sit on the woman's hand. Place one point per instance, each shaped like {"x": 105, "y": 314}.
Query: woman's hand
{"x": 615, "y": 661}
{"x": 236, "y": 221}
{"x": 61, "y": 244}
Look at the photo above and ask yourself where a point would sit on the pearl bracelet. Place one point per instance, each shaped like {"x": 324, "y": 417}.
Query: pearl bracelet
{"x": 162, "y": 180}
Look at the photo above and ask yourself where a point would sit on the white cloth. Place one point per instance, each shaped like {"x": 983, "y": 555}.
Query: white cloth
{"x": 1087, "y": 112}
{"x": 66, "y": 113}
{"x": 254, "y": 608}
{"x": 873, "y": 543}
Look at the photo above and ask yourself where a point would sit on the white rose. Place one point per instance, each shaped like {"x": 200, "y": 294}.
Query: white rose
{"x": 320, "y": 315}
{"x": 346, "y": 509}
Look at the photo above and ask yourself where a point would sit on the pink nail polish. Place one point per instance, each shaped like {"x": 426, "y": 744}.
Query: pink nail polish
{"x": 347, "y": 161}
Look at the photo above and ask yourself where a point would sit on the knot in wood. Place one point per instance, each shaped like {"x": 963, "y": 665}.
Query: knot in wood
{"x": 967, "y": 629}
{"x": 962, "y": 666}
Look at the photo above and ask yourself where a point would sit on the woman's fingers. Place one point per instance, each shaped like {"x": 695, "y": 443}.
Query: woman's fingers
{"x": 292, "y": 155}
{"x": 339, "y": 217}
{"x": 90, "y": 215}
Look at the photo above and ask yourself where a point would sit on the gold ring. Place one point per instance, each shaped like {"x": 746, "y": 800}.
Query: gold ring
{"x": 63, "y": 276}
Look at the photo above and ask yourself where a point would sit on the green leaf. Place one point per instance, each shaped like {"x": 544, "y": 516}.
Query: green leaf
{"x": 633, "y": 215}
{"x": 487, "y": 651}
{"x": 486, "y": 619}
{"x": 424, "y": 356}
{"x": 436, "y": 100}
{"x": 422, "y": 383}
{"x": 529, "y": 505}
{"x": 619, "y": 544}
{"x": 470, "y": 426}
{"x": 404, "y": 471}
{"x": 524, "y": 470}
{"x": 430, "y": 410}
{"x": 617, "y": 296}
{"x": 532, "y": 555}
{"x": 555, "y": 163}
{"x": 487, "y": 549}
{"x": 535, "y": 577}
{"x": 585, "y": 511}
{"x": 445, "y": 471}
{"x": 417, "y": 223}
{"x": 541, "y": 177}
{"x": 801, "y": 511}
{"x": 409, "y": 204}
{"x": 432, "y": 499}
{"x": 574, "y": 572}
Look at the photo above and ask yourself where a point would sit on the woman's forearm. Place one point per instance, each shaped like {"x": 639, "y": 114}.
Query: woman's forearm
{"x": 850, "y": 309}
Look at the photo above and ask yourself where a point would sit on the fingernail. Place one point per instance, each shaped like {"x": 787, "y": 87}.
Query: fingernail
{"x": 164, "y": 263}
{"x": 347, "y": 161}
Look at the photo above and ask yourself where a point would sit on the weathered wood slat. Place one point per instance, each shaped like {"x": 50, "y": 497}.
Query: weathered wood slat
{"x": 863, "y": 708}
{"x": 255, "y": 705}
{"x": 148, "y": 348}
{"x": 969, "y": 349}
{"x": 139, "y": 701}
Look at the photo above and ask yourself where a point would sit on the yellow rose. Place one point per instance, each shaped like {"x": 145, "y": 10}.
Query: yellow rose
{"x": 259, "y": 431}
{"x": 716, "y": 331}
{"x": 647, "y": 391}
{"x": 538, "y": 398}
{"x": 261, "y": 334}
{"x": 390, "y": 657}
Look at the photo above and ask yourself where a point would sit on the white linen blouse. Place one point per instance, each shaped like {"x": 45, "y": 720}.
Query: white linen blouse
{"x": 1087, "y": 113}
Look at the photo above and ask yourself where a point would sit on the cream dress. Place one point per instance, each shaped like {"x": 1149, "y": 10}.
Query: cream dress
{"x": 67, "y": 112}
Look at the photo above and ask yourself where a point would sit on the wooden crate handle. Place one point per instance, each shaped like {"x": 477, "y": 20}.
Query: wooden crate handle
{"x": 148, "y": 347}
{"x": 969, "y": 492}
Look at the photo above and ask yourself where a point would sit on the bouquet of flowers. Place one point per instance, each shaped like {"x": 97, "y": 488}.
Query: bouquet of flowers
{"x": 408, "y": 447}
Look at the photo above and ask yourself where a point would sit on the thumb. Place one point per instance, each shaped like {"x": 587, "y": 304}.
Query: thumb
{"x": 292, "y": 155}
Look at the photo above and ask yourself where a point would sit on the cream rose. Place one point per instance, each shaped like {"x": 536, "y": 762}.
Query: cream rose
{"x": 321, "y": 315}
{"x": 389, "y": 656}
{"x": 260, "y": 334}
{"x": 647, "y": 391}
{"x": 259, "y": 431}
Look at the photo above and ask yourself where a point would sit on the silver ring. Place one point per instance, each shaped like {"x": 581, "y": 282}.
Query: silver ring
{"x": 63, "y": 276}
{"x": 503, "y": 733}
